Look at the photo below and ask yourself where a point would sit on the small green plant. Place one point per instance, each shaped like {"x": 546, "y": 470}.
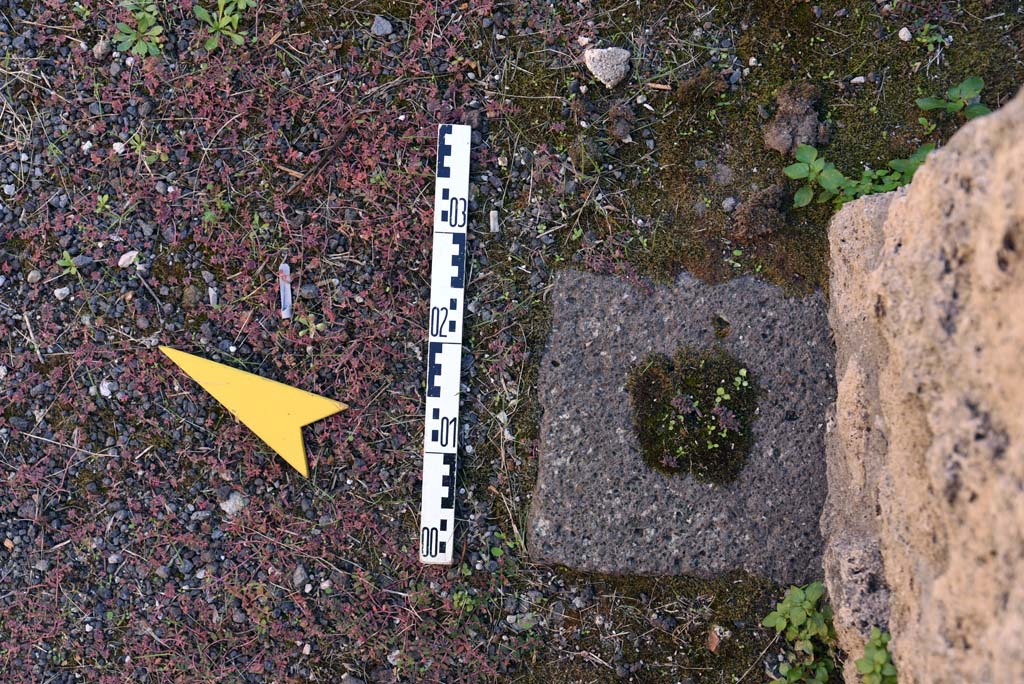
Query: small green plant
{"x": 223, "y": 21}
{"x": 463, "y": 601}
{"x": 67, "y": 263}
{"x": 141, "y": 148}
{"x": 310, "y": 326}
{"x": 932, "y": 37}
{"x": 102, "y": 202}
{"x": 876, "y": 666}
{"x": 804, "y": 620}
{"x": 831, "y": 184}
{"x": 965, "y": 97}
{"x": 143, "y": 38}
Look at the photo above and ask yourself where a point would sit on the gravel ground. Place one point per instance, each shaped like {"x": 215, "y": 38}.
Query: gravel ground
{"x": 147, "y": 200}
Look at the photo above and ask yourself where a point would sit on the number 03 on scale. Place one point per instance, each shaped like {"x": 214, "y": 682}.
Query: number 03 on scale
{"x": 444, "y": 345}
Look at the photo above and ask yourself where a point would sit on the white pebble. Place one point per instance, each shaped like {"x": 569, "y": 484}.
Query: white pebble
{"x": 905, "y": 34}
{"x": 233, "y": 504}
{"x": 127, "y": 259}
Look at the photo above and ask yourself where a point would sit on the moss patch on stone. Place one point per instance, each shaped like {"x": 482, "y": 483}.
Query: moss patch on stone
{"x": 693, "y": 413}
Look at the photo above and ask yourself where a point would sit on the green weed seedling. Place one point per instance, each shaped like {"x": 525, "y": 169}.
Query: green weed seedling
{"x": 463, "y": 601}
{"x": 830, "y": 184}
{"x": 876, "y": 666}
{"x": 223, "y": 21}
{"x": 932, "y": 37}
{"x": 143, "y": 38}
{"x": 310, "y": 326}
{"x": 964, "y": 97}
{"x": 67, "y": 264}
{"x": 807, "y": 628}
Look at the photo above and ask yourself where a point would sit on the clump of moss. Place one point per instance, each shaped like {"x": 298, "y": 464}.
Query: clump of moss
{"x": 693, "y": 413}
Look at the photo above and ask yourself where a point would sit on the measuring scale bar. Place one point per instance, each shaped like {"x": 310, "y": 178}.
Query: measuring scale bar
{"x": 444, "y": 345}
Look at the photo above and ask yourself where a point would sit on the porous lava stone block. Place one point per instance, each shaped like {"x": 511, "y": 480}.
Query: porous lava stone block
{"x": 598, "y": 507}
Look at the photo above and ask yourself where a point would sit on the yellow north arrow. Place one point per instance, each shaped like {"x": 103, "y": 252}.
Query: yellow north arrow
{"x": 274, "y": 411}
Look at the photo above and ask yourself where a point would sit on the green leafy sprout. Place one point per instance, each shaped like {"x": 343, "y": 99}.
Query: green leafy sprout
{"x": 67, "y": 263}
{"x": 804, "y": 619}
{"x": 223, "y": 21}
{"x": 463, "y": 601}
{"x": 828, "y": 183}
{"x": 964, "y": 97}
{"x": 143, "y": 38}
{"x": 310, "y": 326}
{"x": 932, "y": 37}
{"x": 876, "y": 666}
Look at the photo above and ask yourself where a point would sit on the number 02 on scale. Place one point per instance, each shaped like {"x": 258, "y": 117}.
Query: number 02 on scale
{"x": 444, "y": 345}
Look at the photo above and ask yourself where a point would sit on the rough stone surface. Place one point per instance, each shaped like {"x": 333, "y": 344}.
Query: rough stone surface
{"x": 854, "y": 444}
{"x": 796, "y": 120}
{"x": 598, "y": 507}
{"x": 926, "y": 463}
{"x": 607, "y": 65}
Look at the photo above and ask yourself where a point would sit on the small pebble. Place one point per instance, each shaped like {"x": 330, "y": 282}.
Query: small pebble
{"x": 233, "y": 505}
{"x": 34, "y": 276}
{"x": 101, "y": 49}
{"x": 299, "y": 577}
{"x": 905, "y": 34}
{"x": 381, "y": 27}
{"x": 127, "y": 259}
{"x": 61, "y": 293}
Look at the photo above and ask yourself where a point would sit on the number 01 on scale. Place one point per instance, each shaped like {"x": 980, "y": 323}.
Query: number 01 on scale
{"x": 444, "y": 345}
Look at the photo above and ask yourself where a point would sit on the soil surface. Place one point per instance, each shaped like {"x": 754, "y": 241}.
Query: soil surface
{"x": 149, "y": 199}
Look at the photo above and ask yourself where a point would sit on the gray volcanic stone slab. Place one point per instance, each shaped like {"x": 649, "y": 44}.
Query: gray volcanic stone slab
{"x": 598, "y": 507}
